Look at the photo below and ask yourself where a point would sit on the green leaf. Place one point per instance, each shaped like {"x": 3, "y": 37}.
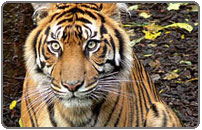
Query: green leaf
{"x": 147, "y": 55}
{"x": 186, "y": 62}
{"x": 134, "y": 7}
{"x": 20, "y": 122}
{"x": 145, "y": 15}
{"x": 134, "y": 42}
{"x": 174, "y": 6}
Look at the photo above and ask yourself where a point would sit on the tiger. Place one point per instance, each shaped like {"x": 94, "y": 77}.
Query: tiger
{"x": 81, "y": 72}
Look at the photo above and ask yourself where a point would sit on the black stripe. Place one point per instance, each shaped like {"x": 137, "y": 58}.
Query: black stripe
{"x": 164, "y": 119}
{"x": 51, "y": 114}
{"x": 79, "y": 30}
{"x": 43, "y": 53}
{"x": 95, "y": 34}
{"x": 53, "y": 17}
{"x": 65, "y": 20}
{"x": 112, "y": 111}
{"x": 103, "y": 30}
{"x": 96, "y": 111}
{"x": 101, "y": 17}
{"x": 119, "y": 116}
{"x": 42, "y": 64}
{"x": 39, "y": 70}
{"x": 99, "y": 72}
{"x": 63, "y": 7}
{"x": 121, "y": 42}
{"x": 113, "y": 46}
{"x": 137, "y": 95}
{"x": 154, "y": 109}
{"x": 91, "y": 15}
{"x": 140, "y": 94}
{"x": 89, "y": 7}
{"x": 75, "y": 10}
{"x": 28, "y": 108}
{"x": 35, "y": 42}
{"x": 142, "y": 91}
{"x": 144, "y": 87}
{"x": 47, "y": 31}
{"x": 130, "y": 88}
{"x": 104, "y": 52}
{"x": 89, "y": 30}
{"x": 84, "y": 20}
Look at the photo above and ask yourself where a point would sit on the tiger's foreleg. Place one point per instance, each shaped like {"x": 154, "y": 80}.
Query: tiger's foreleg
{"x": 160, "y": 115}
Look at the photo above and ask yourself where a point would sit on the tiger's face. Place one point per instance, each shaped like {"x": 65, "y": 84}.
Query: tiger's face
{"x": 82, "y": 53}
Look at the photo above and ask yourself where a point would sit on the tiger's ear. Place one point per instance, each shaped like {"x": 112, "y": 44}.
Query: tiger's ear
{"x": 40, "y": 11}
{"x": 113, "y": 10}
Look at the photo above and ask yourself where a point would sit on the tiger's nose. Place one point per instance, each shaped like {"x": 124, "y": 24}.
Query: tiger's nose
{"x": 73, "y": 86}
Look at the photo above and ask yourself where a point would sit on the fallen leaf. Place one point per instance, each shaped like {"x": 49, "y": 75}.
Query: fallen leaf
{"x": 20, "y": 122}
{"x": 185, "y": 26}
{"x": 13, "y": 104}
{"x": 151, "y": 36}
{"x": 161, "y": 91}
{"x": 135, "y": 41}
{"x": 186, "y": 62}
{"x": 170, "y": 76}
{"x": 182, "y": 36}
{"x": 147, "y": 55}
{"x": 145, "y": 15}
{"x": 155, "y": 77}
{"x": 194, "y": 8}
{"x": 179, "y": 82}
{"x": 152, "y": 45}
{"x": 174, "y": 6}
{"x": 192, "y": 79}
{"x": 166, "y": 45}
{"x": 134, "y": 7}
{"x": 153, "y": 28}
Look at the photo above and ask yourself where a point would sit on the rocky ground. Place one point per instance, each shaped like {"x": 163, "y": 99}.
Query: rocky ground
{"x": 171, "y": 58}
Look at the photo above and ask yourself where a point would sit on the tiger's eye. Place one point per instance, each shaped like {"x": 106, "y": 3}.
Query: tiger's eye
{"x": 55, "y": 46}
{"x": 92, "y": 45}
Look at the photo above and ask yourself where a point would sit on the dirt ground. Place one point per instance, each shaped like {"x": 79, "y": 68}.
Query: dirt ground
{"x": 171, "y": 58}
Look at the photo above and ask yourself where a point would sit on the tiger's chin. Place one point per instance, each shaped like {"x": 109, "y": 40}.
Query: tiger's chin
{"x": 77, "y": 102}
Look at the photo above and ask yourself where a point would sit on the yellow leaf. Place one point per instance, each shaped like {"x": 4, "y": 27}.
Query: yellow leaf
{"x": 182, "y": 36}
{"x": 192, "y": 79}
{"x": 171, "y": 76}
{"x": 153, "y": 27}
{"x": 145, "y": 15}
{"x": 152, "y": 45}
{"x": 185, "y": 26}
{"x": 194, "y": 8}
{"x": 151, "y": 36}
{"x": 175, "y": 71}
{"x": 161, "y": 91}
{"x": 20, "y": 122}
{"x": 13, "y": 104}
{"x": 174, "y": 6}
{"x": 147, "y": 55}
{"x": 179, "y": 82}
{"x": 166, "y": 45}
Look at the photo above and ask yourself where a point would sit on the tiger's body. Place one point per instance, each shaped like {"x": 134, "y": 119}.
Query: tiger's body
{"x": 81, "y": 72}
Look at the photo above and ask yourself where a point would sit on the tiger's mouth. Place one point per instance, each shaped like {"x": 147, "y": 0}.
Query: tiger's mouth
{"x": 84, "y": 94}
